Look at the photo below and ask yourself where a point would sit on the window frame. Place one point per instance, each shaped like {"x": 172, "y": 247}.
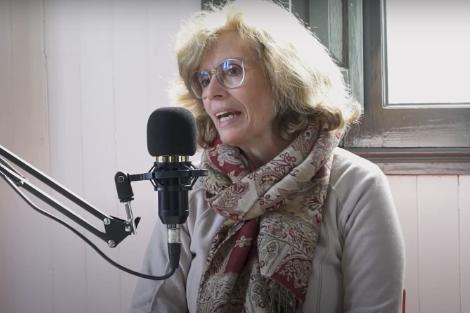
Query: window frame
{"x": 401, "y": 138}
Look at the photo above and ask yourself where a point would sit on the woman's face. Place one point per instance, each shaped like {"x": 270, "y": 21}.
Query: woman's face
{"x": 242, "y": 115}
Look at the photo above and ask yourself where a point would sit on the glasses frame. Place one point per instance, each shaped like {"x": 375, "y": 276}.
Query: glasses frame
{"x": 214, "y": 72}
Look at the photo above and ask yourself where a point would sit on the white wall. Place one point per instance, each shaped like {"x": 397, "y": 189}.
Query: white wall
{"x": 78, "y": 80}
{"x": 435, "y": 216}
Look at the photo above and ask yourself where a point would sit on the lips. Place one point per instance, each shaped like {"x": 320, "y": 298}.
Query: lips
{"x": 226, "y": 115}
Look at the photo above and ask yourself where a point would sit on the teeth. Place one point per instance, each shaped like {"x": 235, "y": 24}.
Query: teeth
{"x": 227, "y": 117}
{"x": 223, "y": 116}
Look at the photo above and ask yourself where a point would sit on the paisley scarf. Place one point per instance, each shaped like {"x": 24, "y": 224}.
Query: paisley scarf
{"x": 261, "y": 258}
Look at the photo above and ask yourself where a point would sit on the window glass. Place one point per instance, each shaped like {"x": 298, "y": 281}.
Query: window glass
{"x": 428, "y": 51}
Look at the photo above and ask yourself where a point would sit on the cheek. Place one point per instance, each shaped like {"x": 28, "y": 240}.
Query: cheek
{"x": 205, "y": 108}
{"x": 264, "y": 98}
{"x": 265, "y": 106}
{"x": 267, "y": 116}
{"x": 205, "y": 113}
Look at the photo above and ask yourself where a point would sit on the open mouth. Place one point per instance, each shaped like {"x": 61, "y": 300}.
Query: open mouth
{"x": 226, "y": 116}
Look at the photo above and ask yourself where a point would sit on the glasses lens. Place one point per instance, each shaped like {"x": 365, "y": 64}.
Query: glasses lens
{"x": 231, "y": 73}
{"x": 200, "y": 80}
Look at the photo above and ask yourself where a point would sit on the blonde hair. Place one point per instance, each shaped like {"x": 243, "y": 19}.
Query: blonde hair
{"x": 306, "y": 82}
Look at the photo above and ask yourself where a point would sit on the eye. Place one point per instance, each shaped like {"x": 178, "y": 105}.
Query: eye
{"x": 204, "y": 82}
{"x": 204, "y": 79}
{"x": 232, "y": 69}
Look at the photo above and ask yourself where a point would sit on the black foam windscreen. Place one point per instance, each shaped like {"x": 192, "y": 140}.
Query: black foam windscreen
{"x": 171, "y": 131}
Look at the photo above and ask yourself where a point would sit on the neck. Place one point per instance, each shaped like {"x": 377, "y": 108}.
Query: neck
{"x": 263, "y": 153}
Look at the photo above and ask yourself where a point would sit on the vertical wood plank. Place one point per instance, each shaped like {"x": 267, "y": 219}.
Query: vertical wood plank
{"x": 5, "y": 109}
{"x": 318, "y": 15}
{"x": 464, "y": 206}
{"x": 326, "y": 21}
{"x": 404, "y": 194}
{"x": 131, "y": 81}
{"x": 335, "y": 29}
{"x": 131, "y": 114}
{"x": 64, "y": 81}
{"x": 98, "y": 138}
{"x": 355, "y": 57}
{"x": 438, "y": 244}
{"x": 26, "y": 285}
{"x": 8, "y": 201}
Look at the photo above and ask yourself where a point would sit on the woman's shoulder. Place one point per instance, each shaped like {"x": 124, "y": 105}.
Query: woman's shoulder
{"x": 347, "y": 166}
{"x": 360, "y": 192}
{"x": 353, "y": 176}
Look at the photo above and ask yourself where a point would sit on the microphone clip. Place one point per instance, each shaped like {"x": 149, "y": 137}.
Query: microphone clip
{"x": 171, "y": 177}
{"x": 126, "y": 195}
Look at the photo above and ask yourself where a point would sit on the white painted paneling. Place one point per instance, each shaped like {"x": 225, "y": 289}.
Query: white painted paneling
{"x": 65, "y": 107}
{"x": 132, "y": 107}
{"x": 25, "y": 245}
{"x": 78, "y": 81}
{"x": 6, "y": 199}
{"x": 464, "y": 205}
{"x": 439, "y": 281}
{"x": 405, "y": 196}
{"x": 98, "y": 137}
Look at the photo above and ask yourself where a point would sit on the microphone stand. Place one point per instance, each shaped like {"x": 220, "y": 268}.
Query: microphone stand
{"x": 115, "y": 229}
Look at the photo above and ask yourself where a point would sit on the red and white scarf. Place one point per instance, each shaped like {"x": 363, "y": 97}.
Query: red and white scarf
{"x": 261, "y": 258}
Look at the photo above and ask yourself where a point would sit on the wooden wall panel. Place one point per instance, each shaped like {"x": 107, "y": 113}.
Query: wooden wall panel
{"x": 405, "y": 197}
{"x": 26, "y": 281}
{"x": 78, "y": 81}
{"x": 435, "y": 280}
{"x": 7, "y": 198}
{"x": 98, "y": 137}
{"x": 132, "y": 107}
{"x": 464, "y": 226}
{"x": 62, "y": 42}
{"x": 438, "y": 257}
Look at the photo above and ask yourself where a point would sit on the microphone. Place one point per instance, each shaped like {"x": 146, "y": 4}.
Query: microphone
{"x": 171, "y": 131}
{"x": 171, "y": 139}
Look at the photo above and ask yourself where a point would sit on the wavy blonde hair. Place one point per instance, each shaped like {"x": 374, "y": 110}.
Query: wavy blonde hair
{"x": 306, "y": 82}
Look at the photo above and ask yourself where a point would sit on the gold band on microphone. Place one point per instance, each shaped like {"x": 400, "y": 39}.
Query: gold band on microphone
{"x": 172, "y": 158}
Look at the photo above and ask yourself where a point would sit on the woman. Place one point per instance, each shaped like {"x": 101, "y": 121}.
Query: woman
{"x": 285, "y": 221}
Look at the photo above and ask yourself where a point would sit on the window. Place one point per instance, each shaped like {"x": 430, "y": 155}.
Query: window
{"x": 408, "y": 127}
{"x": 427, "y": 52}
{"x": 422, "y": 129}
{"x": 399, "y": 57}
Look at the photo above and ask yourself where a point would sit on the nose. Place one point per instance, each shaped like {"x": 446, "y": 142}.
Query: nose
{"x": 214, "y": 90}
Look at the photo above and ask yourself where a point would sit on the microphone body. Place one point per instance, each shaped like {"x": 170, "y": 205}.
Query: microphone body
{"x": 171, "y": 138}
{"x": 173, "y": 205}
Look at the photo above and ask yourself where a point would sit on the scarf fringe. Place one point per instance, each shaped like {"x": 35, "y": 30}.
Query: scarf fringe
{"x": 282, "y": 301}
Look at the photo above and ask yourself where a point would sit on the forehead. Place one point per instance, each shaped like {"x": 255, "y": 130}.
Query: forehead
{"x": 227, "y": 45}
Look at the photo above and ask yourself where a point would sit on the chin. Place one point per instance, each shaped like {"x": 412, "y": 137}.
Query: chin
{"x": 231, "y": 140}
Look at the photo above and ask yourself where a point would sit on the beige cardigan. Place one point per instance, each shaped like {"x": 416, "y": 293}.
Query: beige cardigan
{"x": 358, "y": 265}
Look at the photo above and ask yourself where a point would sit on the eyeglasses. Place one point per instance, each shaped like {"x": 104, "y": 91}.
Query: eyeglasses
{"x": 230, "y": 74}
